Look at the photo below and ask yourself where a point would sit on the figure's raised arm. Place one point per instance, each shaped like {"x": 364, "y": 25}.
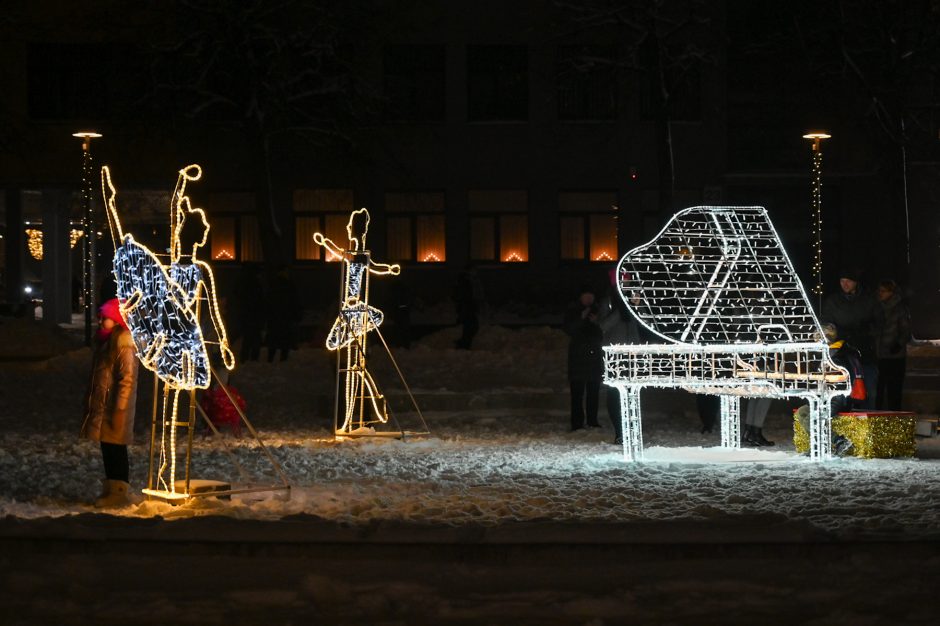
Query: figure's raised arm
{"x": 216, "y": 316}
{"x": 110, "y": 194}
{"x": 384, "y": 268}
{"x": 327, "y": 243}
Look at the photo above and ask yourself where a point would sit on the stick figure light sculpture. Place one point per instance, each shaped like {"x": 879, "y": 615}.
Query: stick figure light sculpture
{"x": 363, "y": 404}
{"x": 162, "y": 304}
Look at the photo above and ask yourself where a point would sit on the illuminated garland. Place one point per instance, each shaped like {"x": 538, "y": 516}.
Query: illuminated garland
{"x": 873, "y": 436}
{"x": 356, "y": 318}
{"x": 718, "y": 286}
{"x": 34, "y": 241}
{"x": 161, "y": 303}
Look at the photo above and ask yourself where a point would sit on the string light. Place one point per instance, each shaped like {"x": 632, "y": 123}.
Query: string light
{"x": 736, "y": 319}
{"x": 356, "y": 318}
{"x": 513, "y": 257}
{"x": 161, "y": 303}
{"x": 604, "y": 256}
{"x": 223, "y": 255}
{"x": 88, "y": 246}
{"x": 34, "y": 241}
{"x": 431, "y": 257}
{"x": 816, "y": 138}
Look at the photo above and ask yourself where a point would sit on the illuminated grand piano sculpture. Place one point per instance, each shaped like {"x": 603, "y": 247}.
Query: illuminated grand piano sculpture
{"x": 718, "y": 287}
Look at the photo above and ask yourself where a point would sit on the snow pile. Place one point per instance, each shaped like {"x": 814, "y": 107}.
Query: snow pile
{"x": 478, "y": 467}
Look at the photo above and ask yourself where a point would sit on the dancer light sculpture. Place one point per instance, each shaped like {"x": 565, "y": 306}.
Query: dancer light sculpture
{"x": 363, "y": 403}
{"x": 718, "y": 286}
{"x": 162, "y": 300}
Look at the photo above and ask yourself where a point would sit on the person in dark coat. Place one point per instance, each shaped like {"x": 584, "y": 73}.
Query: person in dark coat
{"x": 250, "y": 312}
{"x": 467, "y": 298}
{"x": 283, "y": 314}
{"x": 585, "y": 359}
{"x": 892, "y": 346}
{"x": 619, "y": 327}
{"x": 110, "y": 402}
{"x": 859, "y": 318}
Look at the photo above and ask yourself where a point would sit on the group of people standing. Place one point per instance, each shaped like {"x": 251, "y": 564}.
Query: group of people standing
{"x": 868, "y": 333}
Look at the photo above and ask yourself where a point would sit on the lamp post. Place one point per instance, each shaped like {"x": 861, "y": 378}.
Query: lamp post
{"x": 88, "y": 246}
{"x": 817, "y": 137}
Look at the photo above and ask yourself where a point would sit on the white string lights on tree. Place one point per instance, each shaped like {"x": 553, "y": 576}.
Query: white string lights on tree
{"x": 88, "y": 226}
{"x": 349, "y": 332}
{"x": 718, "y": 286}
{"x": 162, "y": 301}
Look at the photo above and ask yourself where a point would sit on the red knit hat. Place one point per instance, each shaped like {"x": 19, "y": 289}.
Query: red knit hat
{"x": 112, "y": 310}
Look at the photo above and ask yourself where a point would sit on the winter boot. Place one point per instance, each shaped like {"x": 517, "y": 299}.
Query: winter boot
{"x": 105, "y": 489}
{"x": 758, "y": 435}
{"x": 117, "y": 495}
{"x": 750, "y": 437}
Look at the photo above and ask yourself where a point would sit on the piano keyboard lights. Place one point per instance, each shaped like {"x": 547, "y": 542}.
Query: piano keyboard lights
{"x": 718, "y": 287}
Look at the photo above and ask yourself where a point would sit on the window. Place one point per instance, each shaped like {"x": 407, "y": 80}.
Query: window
{"x": 499, "y": 226}
{"x": 415, "y": 225}
{"x": 588, "y": 225}
{"x": 497, "y": 83}
{"x": 414, "y": 82}
{"x": 685, "y": 95}
{"x": 320, "y": 210}
{"x": 234, "y": 234}
{"x": 587, "y": 83}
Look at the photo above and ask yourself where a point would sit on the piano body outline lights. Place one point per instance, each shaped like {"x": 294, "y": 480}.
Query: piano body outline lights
{"x": 717, "y": 285}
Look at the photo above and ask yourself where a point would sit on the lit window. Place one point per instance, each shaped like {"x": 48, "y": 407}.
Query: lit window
{"x": 499, "y": 226}
{"x": 416, "y": 226}
{"x": 223, "y": 239}
{"x": 588, "y": 226}
{"x": 235, "y": 235}
{"x": 320, "y": 210}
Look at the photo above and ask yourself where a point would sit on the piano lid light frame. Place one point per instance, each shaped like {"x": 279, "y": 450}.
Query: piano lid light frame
{"x": 717, "y": 285}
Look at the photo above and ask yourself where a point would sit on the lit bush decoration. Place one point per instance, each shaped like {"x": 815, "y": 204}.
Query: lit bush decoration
{"x": 162, "y": 304}
{"x": 363, "y": 403}
{"x": 874, "y": 434}
{"x": 717, "y": 285}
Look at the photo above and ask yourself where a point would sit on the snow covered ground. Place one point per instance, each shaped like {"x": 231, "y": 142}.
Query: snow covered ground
{"x": 434, "y": 529}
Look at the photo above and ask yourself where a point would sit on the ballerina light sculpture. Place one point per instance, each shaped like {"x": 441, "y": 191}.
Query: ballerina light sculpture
{"x": 364, "y": 406}
{"x": 162, "y": 303}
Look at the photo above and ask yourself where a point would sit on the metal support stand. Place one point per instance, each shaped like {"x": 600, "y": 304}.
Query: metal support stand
{"x": 175, "y": 497}
{"x": 632, "y": 428}
{"x": 730, "y": 422}
{"x": 820, "y": 430}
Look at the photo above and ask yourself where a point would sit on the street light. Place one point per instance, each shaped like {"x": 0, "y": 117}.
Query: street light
{"x": 817, "y": 137}
{"x": 88, "y": 247}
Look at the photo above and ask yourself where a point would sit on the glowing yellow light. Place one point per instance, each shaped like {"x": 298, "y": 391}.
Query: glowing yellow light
{"x": 431, "y": 257}
{"x": 356, "y": 318}
{"x": 161, "y": 304}
{"x": 513, "y": 257}
{"x": 34, "y": 241}
{"x": 223, "y": 255}
{"x": 604, "y": 256}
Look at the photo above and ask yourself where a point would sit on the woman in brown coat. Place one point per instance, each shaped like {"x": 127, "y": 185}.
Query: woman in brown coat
{"x": 110, "y": 401}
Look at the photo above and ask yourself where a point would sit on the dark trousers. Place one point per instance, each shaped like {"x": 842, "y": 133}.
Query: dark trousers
{"x": 708, "y": 409}
{"x": 871, "y": 386}
{"x": 890, "y": 383}
{"x": 471, "y": 324}
{"x": 585, "y": 396}
{"x": 613, "y": 411}
{"x": 116, "y": 465}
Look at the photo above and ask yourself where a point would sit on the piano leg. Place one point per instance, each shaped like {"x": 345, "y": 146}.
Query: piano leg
{"x": 820, "y": 429}
{"x": 730, "y": 422}
{"x": 631, "y": 426}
